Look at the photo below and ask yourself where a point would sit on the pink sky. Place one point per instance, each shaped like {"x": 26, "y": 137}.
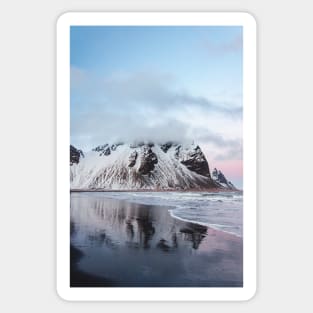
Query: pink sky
{"x": 232, "y": 169}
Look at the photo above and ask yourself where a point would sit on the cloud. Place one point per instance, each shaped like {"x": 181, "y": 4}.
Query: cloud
{"x": 154, "y": 89}
{"x": 126, "y": 128}
{"x": 227, "y": 148}
{"x": 142, "y": 89}
{"x": 145, "y": 106}
{"x": 231, "y": 153}
{"x": 93, "y": 130}
{"x": 217, "y": 139}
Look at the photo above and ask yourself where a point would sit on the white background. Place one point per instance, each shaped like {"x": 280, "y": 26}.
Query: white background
{"x": 27, "y": 164}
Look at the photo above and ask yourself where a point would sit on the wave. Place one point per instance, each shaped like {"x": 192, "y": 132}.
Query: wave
{"x": 221, "y": 211}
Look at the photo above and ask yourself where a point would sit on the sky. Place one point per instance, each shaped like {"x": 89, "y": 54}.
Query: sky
{"x": 159, "y": 83}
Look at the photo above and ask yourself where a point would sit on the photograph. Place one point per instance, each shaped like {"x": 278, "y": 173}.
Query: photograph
{"x": 155, "y": 157}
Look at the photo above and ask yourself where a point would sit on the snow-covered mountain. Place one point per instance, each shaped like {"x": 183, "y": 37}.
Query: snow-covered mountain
{"x": 220, "y": 178}
{"x": 142, "y": 165}
{"x": 75, "y": 155}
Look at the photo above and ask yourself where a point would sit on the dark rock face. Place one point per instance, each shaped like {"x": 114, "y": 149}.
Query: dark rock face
{"x": 107, "y": 151}
{"x": 148, "y": 161}
{"x": 166, "y": 146}
{"x": 220, "y": 178}
{"x": 75, "y": 155}
{"x": 115, "y": 145}
{"x": 195, "y": 161}
{"x": 104, "y": 149}
{"x": 132, "y": 159}
{"x": 177, "y": 151}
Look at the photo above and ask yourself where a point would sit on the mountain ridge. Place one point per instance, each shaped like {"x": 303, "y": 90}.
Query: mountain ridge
{"x": 144, "y": 166}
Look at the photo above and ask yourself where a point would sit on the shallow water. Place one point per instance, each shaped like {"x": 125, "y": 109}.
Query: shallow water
{"x": 124, "y": 243}
{"x": 219, "y": 210}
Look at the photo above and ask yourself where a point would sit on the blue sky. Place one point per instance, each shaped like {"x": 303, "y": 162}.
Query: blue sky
{"x": 159, "y": 83}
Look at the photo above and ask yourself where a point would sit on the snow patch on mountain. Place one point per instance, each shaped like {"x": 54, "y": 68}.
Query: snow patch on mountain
{"x": 142, "y": 165}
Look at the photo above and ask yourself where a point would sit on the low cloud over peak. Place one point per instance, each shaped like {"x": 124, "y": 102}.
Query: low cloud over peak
{"x": 148, "y": 106}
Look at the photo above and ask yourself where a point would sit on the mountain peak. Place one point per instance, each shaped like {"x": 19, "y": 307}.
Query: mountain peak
{"x": 143, "y": 165}
{"x": 220, "y": 178}
{"x": 75, "y": 155}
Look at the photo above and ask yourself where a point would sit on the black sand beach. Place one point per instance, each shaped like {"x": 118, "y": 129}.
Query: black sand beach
{"x": 116, "y": 243}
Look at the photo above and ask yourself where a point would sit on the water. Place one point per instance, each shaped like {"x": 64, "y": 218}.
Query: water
{"x": 119, "y": 240}
{"x": 218, "y": 210}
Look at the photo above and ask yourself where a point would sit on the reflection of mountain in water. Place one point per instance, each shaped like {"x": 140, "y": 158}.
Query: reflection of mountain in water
{"x": 135, "y": 244}
{"x": 135, "y": 227}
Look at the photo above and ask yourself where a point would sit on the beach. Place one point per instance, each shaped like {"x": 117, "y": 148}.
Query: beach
{"x": 121, "y": 243}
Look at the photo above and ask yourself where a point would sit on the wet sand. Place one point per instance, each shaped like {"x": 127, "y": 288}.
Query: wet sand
{"x": 116, "y": 243}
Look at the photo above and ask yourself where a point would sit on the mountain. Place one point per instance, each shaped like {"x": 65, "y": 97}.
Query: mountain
{"x": 220, "y": 178}
{"x": 142, "y": 165}
{"x": 75, "y": 155}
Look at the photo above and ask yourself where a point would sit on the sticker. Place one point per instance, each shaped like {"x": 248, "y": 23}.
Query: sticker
{"x": 156, "y": 159}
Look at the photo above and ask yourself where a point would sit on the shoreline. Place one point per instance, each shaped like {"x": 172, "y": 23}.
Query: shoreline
{"x": 152, "y": 241}
{"x": 169, "y": 207}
